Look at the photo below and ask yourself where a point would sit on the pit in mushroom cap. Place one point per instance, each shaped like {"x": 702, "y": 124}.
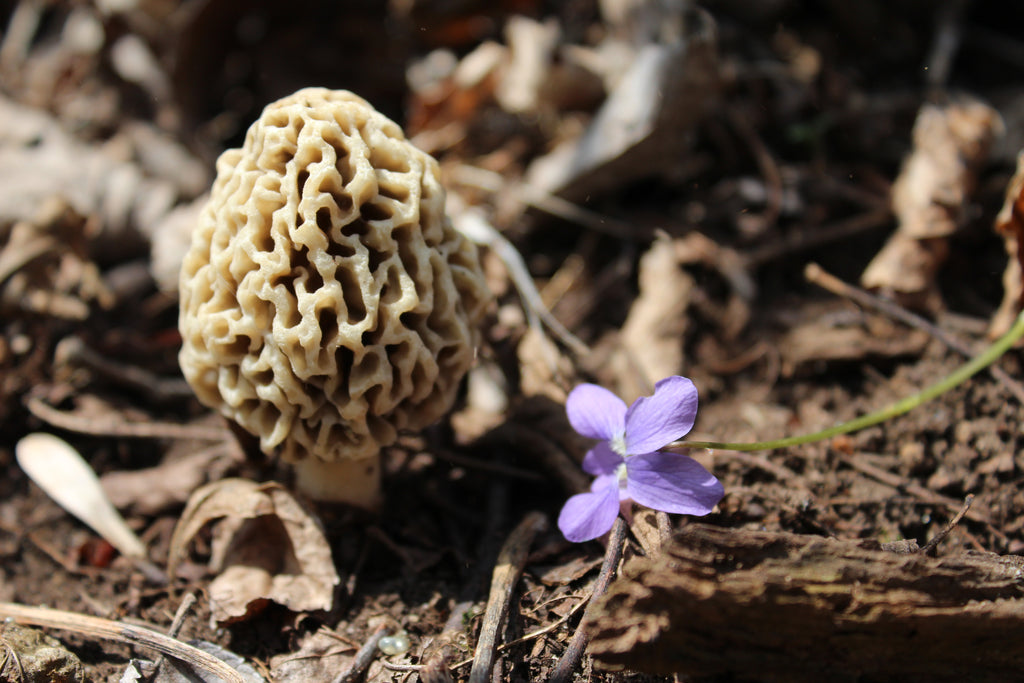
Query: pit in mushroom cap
{"x": 326, "y": 300}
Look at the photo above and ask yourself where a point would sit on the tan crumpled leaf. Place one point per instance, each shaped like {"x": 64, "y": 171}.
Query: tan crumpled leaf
{"x": 267, "y": 548}
{"x": 651, "y": 340}
{"x": 1010, "y": 224}
{"x": 819, "y": 339}
{"x": 644, "y": 127}
{"x": 543, "y": 368}
{"x": 930, "y": 194}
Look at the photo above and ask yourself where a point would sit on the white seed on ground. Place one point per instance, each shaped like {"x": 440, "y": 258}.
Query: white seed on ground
{"x": 395, "y": 645}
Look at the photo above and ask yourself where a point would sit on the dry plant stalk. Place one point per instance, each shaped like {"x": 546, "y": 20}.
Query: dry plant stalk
{"x": 784, "y": 607}
{"x": 121, "y": 632}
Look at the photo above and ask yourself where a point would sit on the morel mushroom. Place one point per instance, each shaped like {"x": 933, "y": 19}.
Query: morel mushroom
{"x": 326, "y": 300}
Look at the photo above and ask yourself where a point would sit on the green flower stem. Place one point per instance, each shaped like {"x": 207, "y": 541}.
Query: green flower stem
{"x": 962, "y": 374}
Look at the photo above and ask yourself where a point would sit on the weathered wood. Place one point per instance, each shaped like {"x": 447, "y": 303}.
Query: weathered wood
{"x": 783, "y": 607}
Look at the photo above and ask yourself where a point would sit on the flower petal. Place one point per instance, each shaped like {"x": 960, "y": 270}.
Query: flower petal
{"x": 596, "y": 412}
{"x": 588, "y": 515}
{"x": 671, "y": 482}
{"x": 656, "y": 421}
{"x": 601, "y": 459}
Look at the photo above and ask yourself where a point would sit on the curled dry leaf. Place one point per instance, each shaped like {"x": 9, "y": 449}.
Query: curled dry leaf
{"x": 823, "y": 334}
{"x": 930, "y": 194}
{"x": 1010, "y": 224}
{"x": 543, "y": 368}
{"x": 645, "y": 125}
{"x": 651, "y": 341}
{"x": 267, "y": 548}
{"x": 60, "y": 471}
{"x": 45, "y": 266}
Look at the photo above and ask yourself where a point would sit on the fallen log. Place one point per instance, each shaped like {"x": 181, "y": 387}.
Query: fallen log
{"x": 754, "y": 605}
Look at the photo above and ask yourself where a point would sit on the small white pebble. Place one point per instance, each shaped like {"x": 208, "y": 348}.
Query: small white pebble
{"x": 395, "y": 645}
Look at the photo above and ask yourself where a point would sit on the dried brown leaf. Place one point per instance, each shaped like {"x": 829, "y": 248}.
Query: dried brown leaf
{"x": 644, "y": 127}
{"x": 821, "y": 339}
{"x": 651, "y": 340}
{"x": 270, "y": 547}
{"x": 567, "y": 572}
{"x": 930, "y": 194}
{"x": 1010, "y": 224}
{"x": 543, "y": 367}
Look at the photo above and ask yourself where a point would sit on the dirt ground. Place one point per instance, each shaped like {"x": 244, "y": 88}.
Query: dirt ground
{"x": 773, "y": 140}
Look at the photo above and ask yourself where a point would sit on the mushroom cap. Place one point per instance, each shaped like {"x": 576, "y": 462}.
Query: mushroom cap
{"x": 326, "y": 300}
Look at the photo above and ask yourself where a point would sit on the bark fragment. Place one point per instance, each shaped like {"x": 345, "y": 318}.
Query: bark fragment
{"x": 784, "y": 607}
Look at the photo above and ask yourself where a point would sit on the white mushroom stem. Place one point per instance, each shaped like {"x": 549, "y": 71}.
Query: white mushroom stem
{"x": 355, "y": 482}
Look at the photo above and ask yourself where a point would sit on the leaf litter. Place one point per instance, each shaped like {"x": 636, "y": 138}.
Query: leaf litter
{"x": 677, "y": 245}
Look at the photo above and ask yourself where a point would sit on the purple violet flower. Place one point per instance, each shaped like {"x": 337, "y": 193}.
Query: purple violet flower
{"x": 627, "y": 463}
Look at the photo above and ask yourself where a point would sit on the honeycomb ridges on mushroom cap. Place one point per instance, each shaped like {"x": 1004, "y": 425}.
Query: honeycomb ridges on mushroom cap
{"x": 326, "y": 300}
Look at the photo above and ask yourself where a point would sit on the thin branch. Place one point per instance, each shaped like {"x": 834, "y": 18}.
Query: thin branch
{"x": 574, "y": 653}
{"x": 510, "y": 564}
{"x": 931, "y": 545}
{"x": 125, "y": 633}
{"x": 817, "y": 275}
{"x": 364, "y": 657}
{"x": 112, "y": 426}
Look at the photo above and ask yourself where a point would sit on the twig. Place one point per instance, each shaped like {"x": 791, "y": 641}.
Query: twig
{"x": 73, "y": 349}
{"x": 112, "y": 426}
{"x": 922, "y": 493}
{"x": 574, "y": 653}
{"x": 532, "y": 635}
{"x": 500, "y": 468}
{"x": 13, "y": 260}
{"x": 125, "y": 633}
{"x": 179, "y": 620}
{"x": 179, "y": 616}
{"x": 547, "y": 454}
{"x": 510, "y": 564}
{"x": 364, "y": 657}
{"x": 471, "y": 223}
{"x": 817, "y": 275}
{"x": 780, "y": 472}
{"x": 945, "y": 42}
{"x": 438, "y": 654}
{"x": 21, "y": 30}
{"x": 767, "y": 165}
{"x": 930, "y": 546}
{"x": 403, "y": 668}
{"x": 489, "y": 181}
{"x": 804, "y": 240}
{"x": 9, "y": 653}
